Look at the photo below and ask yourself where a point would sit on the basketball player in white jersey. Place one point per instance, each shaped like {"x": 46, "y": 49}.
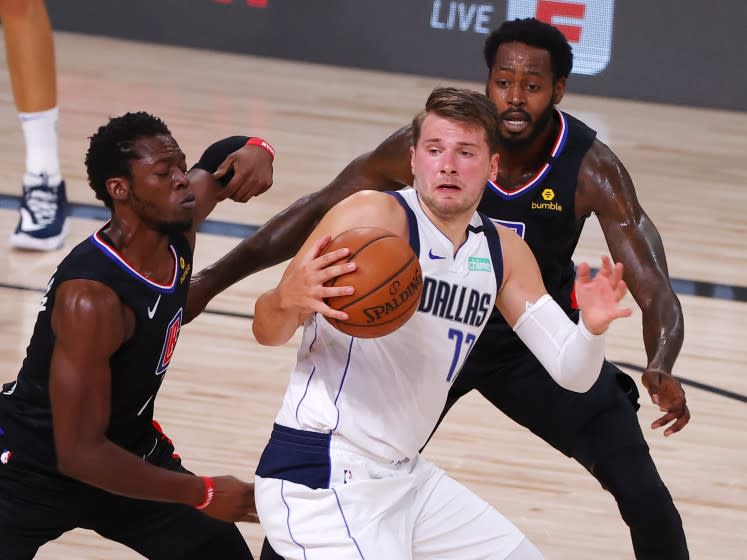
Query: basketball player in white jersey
{"x": 341, "y": 477}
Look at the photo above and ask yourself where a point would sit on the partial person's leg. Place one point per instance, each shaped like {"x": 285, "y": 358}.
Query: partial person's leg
{"x": 623, "y": 465}
{"x": 161, "y": 530}
{"x": 30, "y": 54}
{"x": 268, "y": 553}
{"x": 166, "y": 531}
{"x": 362, "y": 519}
{"x": 453, "y": 522}
{"x": 34, "y": 509}
{"x": 600, "y": 430}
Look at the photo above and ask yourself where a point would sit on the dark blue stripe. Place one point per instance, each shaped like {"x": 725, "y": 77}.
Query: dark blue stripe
{"x": 342, "y": 381}
{"x": 347, "y": 527}
{"x": 412, "y": 222}
{"x": 494, "y": 244}
{"x": 305, "y": 391}
{"x": 287, "y": 518}
{"x": 297, "y": 456}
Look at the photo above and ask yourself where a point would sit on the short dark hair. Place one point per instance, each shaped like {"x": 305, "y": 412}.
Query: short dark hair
{"x": 111, "y": 149}
{"x": 464, "y": 106}
{"x": 534, "y": 33}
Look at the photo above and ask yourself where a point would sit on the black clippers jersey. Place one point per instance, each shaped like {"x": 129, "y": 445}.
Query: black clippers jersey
{"x": 543, "y": 213}
{"x": 137, "y": 368}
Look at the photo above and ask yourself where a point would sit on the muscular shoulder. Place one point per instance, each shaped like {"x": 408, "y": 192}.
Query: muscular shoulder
{"x": 511, "y": 243}
{"x": 366, "y": 201}
{"x": 89, "y": 308}
{"x": 603, "y": 182}
{"x": 514, "y": 249}
{"x": 369, "y": 208}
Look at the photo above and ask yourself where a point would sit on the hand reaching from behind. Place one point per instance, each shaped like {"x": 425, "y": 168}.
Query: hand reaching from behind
{"x": 598, "y": 297}
{"x": 250, "y": 171}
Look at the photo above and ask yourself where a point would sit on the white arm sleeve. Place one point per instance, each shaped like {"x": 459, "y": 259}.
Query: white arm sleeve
{"x": 570, "y": 353}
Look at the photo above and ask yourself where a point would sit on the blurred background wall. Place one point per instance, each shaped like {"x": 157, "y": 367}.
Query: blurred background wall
{"x": 672, "y": 51}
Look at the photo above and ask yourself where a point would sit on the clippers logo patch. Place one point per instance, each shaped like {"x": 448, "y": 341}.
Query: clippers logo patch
{"x": 347, "y": 476}
{"x": 169, "y": 343}
{"x": 5, "y": 456}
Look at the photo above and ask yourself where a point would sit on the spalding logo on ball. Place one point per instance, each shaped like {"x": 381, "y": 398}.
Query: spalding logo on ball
{"x": 388, "y": 282}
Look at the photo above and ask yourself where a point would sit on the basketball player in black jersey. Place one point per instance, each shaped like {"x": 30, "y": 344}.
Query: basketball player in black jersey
{"x": 79, "y": 444}
{"x": 553, "y": 174}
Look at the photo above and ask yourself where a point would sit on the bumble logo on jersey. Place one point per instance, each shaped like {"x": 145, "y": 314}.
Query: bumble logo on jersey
{"x": 548, "y": 202}
{"x": 186, "y": 267}
{"x": 454, "y": 302}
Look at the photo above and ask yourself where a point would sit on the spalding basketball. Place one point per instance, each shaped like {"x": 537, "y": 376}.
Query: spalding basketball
{"x": 388, "y": 282}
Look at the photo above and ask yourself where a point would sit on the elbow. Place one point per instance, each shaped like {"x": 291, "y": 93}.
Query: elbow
{"x": 579, "y": 384}
{"x": 259, "y": 336}
{"x": 262, "y": 336}
{"x": 78, "y": 459}
{"x": 579, "y": 373}
{"x": 71, "y": 464}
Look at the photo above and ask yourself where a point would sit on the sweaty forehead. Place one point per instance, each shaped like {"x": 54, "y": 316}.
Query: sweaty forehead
{"x": 517, "y": 56}
{"x": 153, "y": 148}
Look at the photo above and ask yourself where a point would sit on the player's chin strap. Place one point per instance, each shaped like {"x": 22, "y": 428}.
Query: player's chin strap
{"x": 569, "y": 352}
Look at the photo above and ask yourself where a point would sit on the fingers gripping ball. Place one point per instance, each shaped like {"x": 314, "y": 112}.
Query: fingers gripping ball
{"x": 388, "y": 282}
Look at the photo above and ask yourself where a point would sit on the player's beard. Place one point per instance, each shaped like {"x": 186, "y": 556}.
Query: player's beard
{"x": 150, "y": 215}
{"x": 169, "y": 228}
{"x": 537, "y": 127}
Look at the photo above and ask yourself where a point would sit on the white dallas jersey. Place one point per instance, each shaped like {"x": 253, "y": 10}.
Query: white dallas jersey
{"x": 384, "y": 395}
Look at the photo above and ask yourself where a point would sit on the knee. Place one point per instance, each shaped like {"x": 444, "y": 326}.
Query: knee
{"x": 631, "y": 477}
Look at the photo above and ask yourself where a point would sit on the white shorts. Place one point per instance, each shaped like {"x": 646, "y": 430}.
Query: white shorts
{"x": 371, "y": 510}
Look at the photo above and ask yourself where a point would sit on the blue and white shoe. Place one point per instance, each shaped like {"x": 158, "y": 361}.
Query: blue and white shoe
{"x": 42, "y": 225}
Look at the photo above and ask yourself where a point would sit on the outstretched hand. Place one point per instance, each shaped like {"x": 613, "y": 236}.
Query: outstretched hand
{"x": 598, "y": 297}
{"x": 668, "y": 394}
{"x": 303, "y": 284}
{"x": 250, "y": 170}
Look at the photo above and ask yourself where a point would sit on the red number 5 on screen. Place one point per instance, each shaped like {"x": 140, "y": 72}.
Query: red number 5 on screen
{"x": 587, "y": 24}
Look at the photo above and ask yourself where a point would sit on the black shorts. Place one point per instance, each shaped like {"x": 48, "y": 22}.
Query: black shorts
{"x": 37, "y": 507}
{"x": 578, "y": 424}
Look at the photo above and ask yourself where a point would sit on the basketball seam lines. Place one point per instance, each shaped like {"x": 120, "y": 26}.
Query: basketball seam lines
{"x": 379, "y": 286}
{"x": 350, "y": 257}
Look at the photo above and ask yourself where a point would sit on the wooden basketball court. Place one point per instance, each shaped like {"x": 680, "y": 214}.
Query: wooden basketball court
{"x": 223, "y": 389}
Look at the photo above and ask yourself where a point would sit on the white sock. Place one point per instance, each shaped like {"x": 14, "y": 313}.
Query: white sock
{"x": 40, "y": 134}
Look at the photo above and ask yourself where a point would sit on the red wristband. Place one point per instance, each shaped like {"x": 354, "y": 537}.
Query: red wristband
{"x": 209, "y": 492}
{"x": 262, "y": 143}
